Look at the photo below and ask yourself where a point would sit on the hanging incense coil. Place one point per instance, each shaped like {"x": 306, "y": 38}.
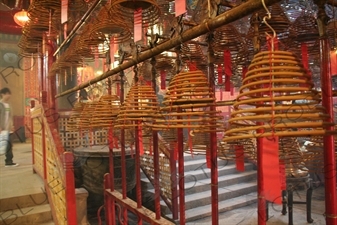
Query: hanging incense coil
{"x": 331, "y": 30}
{"x": 277, "y": 92}
{"x": 74, "y": 119}
{"x": 313, "y": 154}
{"x": 91, "y": 43}
{"x": 125, "y": 9}
{"x": 187, "y": 90}
{"x": 191, "y": 52}
{"x": 106, "y": 111}
{"x": 291, "y": 156}
{"x": 226, "y": 150}
{"x": 279, "y": 20}
{"x": 86, "y": 115}
{"x": 304, "y": 30}
{"x": 228, "y": 38}
{"x": 186, "y": 105}
{"x": 109, "y": 24}
{"x": 140, "y": 105}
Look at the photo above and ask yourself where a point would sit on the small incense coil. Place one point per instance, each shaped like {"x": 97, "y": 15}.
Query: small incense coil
{"x": 86, "y": 115}
{"x": 109, "y": 24}
{"x": 90, "y": 41}
{"x": 304, "y": 30}
{"x": 227, "y": 37}
{"x": 188, "y": 90}
{"x": 291, "y": 156}
{"x": 192, "y": 53}
{"x": 125, "y": 9}
{"x": 140, "y": 105}
{"x": 73, "y": 123}
{"x": 226, "y": 150}
{"x": 184, "y": 105}
{"x": 279, "y": 20}
{"x": 314, "y": 154}
{"x": 106, "y": 111}
{"x": 40, "y": 16}
{"x": 200, "y": 143}
{"x": 283, "y": 96}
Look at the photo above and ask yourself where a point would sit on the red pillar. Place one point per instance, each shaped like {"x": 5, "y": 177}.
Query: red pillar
{"x": 50, "y": 86}
{"x": 329, "y": 140}
{"x": 213, "y": 145}
{"x": 70, "y": 188}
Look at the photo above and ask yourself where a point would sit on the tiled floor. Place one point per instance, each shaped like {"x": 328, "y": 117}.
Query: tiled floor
{"x": 20, "y": 180}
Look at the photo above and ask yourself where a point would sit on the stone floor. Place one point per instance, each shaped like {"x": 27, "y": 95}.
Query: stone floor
{"x": 21, "y": 180}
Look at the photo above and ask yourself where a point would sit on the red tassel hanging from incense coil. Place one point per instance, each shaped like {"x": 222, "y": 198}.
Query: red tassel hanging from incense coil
{"x": 228, "y": 69}
{"x": 162, "y": 79}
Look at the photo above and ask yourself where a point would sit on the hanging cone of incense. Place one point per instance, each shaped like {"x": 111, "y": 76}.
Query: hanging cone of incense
{"x": 277, "y": 92}
{"x": 106, "y": 111}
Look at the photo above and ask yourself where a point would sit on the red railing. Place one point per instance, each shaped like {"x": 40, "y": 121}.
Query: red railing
{"x": 54, "y": 165}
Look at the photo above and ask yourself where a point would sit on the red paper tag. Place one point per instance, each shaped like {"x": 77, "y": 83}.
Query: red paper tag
{"x": 220, "y": 74}
{"x": 208, "y": 158}
{"x": 192, "y": 66}
{"x": 118, "y": 89}
{"x": 221, "y": 94}
{"x": 180, "y": 7}
{"x": 333, "y": 62}
{"x": 271, "y": 169}
{"x": 163, "y": 79}
{"x": 304, "y": 50}
{"x": 228, "y": 63}
{"x": 244, "y": 72}
{"x": 64, "y": 11}
{"x": 137, "y": 25}
{"x": 239, "y": 158}
{"x": 227, "y": 83}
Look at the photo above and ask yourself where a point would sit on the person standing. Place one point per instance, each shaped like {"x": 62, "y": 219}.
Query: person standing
{"x": 6, "y": 123}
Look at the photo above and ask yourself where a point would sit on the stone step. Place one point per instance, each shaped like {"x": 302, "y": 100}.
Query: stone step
{"x": 197, "y": 164}
{"x": 27, "y": 216}
{"x": 224, "y": 193}
{"x": 202, "y": 173}
{"x": 24, "y": 201}
{"x": 198, "y": 186}
{"x": 203, "y": 211}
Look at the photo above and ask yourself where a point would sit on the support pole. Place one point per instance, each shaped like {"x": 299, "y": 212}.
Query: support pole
{"x": 327, "y": 103}
{"x": 155, "y": 150}
{"x": 232, "y": 15}
{"x": 123, "y": 155}
{"x": 213, "y": 141}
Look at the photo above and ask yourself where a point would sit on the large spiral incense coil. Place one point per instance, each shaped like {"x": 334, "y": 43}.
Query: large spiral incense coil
{"x": 125, "y": 9}
{"x": 109, "y": 24}
{"x": 276, "y": 92}
{"x": 140, "y": 106}
{"x": 106, "y": 111}
{"x": 74, "y": 119}
{"x": 186, "y": 105}
{"x": 304, "y": 30}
